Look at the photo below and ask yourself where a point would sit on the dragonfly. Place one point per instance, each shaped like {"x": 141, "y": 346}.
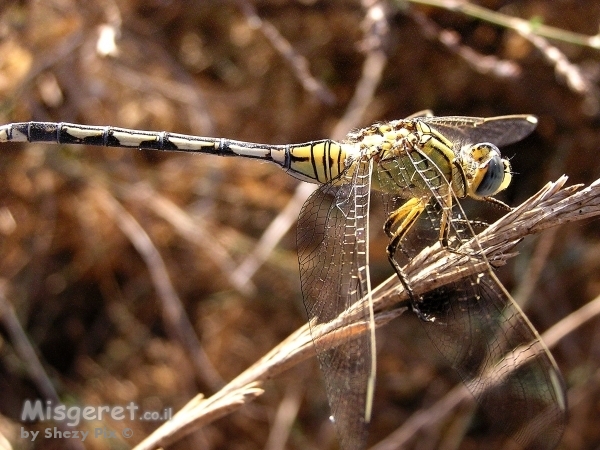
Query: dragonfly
{"x": 422, "y": 167}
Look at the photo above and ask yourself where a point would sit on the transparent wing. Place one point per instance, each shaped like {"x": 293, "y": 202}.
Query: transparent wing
{"x": 332, "y": 250}
{"x": 502, "y": 361}
{"x": 502, "y": 130}
{"x": 474, "y": 323}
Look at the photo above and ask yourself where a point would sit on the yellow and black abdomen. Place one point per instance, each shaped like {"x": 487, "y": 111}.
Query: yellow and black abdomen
{"x": 317, "y": 161}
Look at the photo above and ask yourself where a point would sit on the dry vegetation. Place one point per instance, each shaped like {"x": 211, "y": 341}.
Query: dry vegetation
{"x": 122, "y": 267}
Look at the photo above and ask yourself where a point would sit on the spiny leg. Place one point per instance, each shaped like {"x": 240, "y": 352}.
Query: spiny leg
{"x": 397, "y": 225}
{"x": 448, "y": 224}
{"x": 445, "y": 220}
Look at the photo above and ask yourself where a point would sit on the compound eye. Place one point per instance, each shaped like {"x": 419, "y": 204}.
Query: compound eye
{"x": 492, "y": 179}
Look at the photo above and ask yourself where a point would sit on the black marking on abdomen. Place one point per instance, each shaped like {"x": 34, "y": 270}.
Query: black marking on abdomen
{"x": 40, "y": 132}
{"x": 162, "y": 143}
{"x": 313, "y": 161}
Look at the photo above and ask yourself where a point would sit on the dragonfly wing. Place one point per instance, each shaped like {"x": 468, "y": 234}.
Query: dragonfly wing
{"x": 500, "y": 358}
{"x": 474, "y": 323}
{"x": 332, "y": 251}
{"x": 502, "y": 130}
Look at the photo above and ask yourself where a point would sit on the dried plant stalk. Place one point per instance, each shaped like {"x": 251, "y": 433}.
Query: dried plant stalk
{"x": 434, "y": 267}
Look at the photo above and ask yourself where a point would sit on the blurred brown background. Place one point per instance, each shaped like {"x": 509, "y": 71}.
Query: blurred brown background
{"x": 93, "y": 305}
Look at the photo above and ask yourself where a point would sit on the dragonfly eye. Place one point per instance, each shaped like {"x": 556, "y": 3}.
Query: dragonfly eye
{"x": 490, "y": 175}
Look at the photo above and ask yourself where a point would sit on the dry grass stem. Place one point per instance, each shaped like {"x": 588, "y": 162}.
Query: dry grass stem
{"x": 433, "y": 268}
{"x": 174, "y": 313}
{"x": 487, "y": 64}
{"x": 242, "y": 275}
{"x": 513, "y": 23}
{"x": 192, "y": 229}
{"x": 297, "y": 62}
{"x": 29, "y": 358}
{"x": 285, "y": 416}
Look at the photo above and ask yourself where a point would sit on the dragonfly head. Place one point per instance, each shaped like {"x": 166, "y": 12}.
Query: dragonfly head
{"x": 486, "y": 172}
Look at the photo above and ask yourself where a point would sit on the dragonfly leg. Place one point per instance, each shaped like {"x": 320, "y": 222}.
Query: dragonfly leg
{"x": 396, "y": 227}
{"x": 401, "y": 220}
{"x": 444, "y": 228}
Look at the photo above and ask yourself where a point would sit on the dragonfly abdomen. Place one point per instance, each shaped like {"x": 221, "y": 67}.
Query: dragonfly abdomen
{"x": 69, "y": 133}
{"x": 315, "y": 161}
{"x": 318, "y": 161}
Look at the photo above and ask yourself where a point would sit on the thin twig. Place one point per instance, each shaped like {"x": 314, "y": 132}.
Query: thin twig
{"x": 513, "y": 23}
{"x": 193, "y": 229}
{"x": 284, "y": 418}
{"x": 536, "y": 34}
{"x": 241, "y": 276}
{"x": 571, "y": 73}
{"x": 29, "y": 357}
{"x": 486, "y": 64}
{"x": 534, "y": 269}
{"x": 173, "y": 311}
{"x": 377, "y": 29}
{"x": 296, "y": 61}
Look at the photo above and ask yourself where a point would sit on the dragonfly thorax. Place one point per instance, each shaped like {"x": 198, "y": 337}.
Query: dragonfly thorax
{"x": 486, "y": 173}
